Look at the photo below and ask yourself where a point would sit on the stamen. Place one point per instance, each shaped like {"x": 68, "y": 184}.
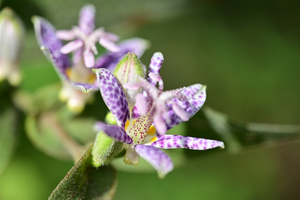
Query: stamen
{"x": 157, "y": 78}
{"x": 152, "y": 130}
{"x": 127, "y": 124}
{"x": 153, "y": 139}
{"x": 180, "y": 112}
{"x": 141, "y": 104}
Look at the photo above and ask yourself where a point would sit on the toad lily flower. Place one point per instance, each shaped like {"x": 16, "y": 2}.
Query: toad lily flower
{"x": 86, "y": 37}
{"x": 77, "y": 79}
{"x": 11, "y": 41}
{"x": 169, "y": 108}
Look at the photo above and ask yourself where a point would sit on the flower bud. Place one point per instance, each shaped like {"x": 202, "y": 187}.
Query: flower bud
{"x": 127, "y": 71}
{"x": 11, "y": 41}
{"x": 105, "y": 149}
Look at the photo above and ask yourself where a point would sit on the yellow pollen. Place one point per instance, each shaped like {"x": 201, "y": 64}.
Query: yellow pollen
{"x": 153, "y": 139}
{"x": 92, "y": 78}
{"x": 68, "y": 72}
{"x": 151, "y": 130}
{"x": 126, "y": 125}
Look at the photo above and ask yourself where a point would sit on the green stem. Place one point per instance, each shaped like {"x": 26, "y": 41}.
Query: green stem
{"x": 71, "y": 145}
{"x": 273, "y": 128}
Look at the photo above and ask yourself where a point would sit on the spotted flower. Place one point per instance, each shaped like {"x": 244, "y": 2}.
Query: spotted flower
{"x": 155, "y": 109}
{"x": 78, "y": 80}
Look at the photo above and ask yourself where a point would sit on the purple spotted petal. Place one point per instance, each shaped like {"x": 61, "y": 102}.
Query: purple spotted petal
{"x": 87, "y": 19}
{"x": 157, "y": 158}
{"x": 195, "y": 99}
{"x": 155, "y": 65}
{"x": 114, "y": 132}
{"x": 179, "y": 141}
{"x": 110, "y": 60}
{"x": 85, "y": 88}
{"x": 45, "y": 34}
{"x": 113, "y": 96}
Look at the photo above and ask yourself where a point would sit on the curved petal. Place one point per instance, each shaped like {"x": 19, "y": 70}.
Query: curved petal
{"x": 179, "y": 141}
{"x": 87, "y": 19}
{"x": 84, "y": 87}
{"x": 155, "y": 65}
{"x": 71, "y": 46}
{"x": 133, "y": 45}
{"x": 109, "y": 44}
{"x": 65, "y": 34}
{"x": 45, "y": 34}
{"x": 157, "y": 158}
{"x": 195, "y": 95}
{"x": 114, "y": 132}
{"x": 113, "y": 96}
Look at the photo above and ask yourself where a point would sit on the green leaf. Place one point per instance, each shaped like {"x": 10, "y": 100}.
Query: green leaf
{"x": 84, "y": 181}
{"x": 8, "y": 134}
{"x": 238, "y": 135}
{"x": 44, "y": 137}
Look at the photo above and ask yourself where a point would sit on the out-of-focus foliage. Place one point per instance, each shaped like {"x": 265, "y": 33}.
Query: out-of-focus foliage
{"x": 9, "y": 128}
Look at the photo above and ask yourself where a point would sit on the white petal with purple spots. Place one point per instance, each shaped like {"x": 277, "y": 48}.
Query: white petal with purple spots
{"x": 113, "y": 96}
{"x": 195, "y": 98}
{"x": 179, "y": 141}
{"x": 155, "y": 65}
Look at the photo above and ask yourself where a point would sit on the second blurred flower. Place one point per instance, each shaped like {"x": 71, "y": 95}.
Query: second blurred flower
{"x": 76, "y": 75}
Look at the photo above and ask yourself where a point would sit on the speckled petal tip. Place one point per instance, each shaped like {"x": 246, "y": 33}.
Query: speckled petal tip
{"x": 157, "y": 158}
{"x": 179, "y": 141}
{"x": 113, "y": 95}
{"x": 155, "y": 65}
{"x": 114, "y": 132}
{"x": 195, "y": 98}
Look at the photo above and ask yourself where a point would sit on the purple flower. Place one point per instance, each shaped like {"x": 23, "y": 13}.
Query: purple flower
{"x": 153, "y": 106}
{"x": 78, "y": 80}
{"x": 85, "y": 37}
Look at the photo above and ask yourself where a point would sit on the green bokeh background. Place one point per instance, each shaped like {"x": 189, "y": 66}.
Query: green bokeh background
{"x": 246, "y": 52}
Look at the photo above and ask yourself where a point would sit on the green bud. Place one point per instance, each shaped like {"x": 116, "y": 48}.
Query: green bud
{"x": 128, "y": 70}
{"x": 105, "y": 149}
{"x": 11, "y": 41}
{"x": 110, "y": 119}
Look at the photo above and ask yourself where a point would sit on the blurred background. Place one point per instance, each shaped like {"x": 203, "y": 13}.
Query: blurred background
{"x": 246, "y": 52}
